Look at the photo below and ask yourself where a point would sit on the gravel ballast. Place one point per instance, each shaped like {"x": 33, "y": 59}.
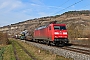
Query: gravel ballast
{"x": 62, "y": 52}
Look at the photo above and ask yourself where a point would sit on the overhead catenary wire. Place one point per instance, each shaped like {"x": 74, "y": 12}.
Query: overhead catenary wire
{"x": 69, "y": 6}
{"x": 66, "y": 7}
{"x": 82, "y": 10}
{"x": 64, "y": 3}
{"x": 58, "y": 6}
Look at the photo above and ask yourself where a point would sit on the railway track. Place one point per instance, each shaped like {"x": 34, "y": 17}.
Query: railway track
{"x": 84, "y": 49}
{"x": 25, "y": 50}
{"x": 79, "y": 50}
{"x": 75, "y": 52}
{"x": 88, "y": 46}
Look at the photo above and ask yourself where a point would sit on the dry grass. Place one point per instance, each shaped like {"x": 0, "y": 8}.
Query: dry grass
{"x": 81, "y": 42}
{"x": 9, "y": 52}
{"x": 3, "y": 39}
{"x": 41, "y": 54}
{"x": 21, "y": 54}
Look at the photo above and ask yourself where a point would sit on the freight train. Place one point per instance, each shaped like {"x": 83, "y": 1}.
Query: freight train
{"x": 52, "y": 33}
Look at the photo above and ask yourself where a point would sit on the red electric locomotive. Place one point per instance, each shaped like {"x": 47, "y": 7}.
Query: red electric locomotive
{"x": 52, "y": 34}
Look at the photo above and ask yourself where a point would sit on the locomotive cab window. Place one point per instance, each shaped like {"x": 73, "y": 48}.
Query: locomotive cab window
{"x": 59, "y": 28}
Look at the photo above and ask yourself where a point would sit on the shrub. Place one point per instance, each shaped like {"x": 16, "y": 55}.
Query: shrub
{"x": 3, "y": 38}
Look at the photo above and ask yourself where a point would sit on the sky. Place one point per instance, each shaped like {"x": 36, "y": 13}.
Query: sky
{"x": 14, "y": 11}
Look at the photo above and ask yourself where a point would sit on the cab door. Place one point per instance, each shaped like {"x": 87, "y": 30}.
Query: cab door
{"x": 49, "y": 33}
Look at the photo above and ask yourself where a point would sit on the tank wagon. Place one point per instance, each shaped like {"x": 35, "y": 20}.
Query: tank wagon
{"x": 52, "y": 33}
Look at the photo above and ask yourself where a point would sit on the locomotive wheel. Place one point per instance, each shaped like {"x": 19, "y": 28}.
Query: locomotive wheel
{"x": 56, "y": 44}
{"x": 48, "y": 43}
{"x": 61, "y": 44}
{"x": 33, "y": 39}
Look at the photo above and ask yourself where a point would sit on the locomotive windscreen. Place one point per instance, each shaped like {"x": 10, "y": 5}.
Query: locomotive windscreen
{"x": 59, "y": 27}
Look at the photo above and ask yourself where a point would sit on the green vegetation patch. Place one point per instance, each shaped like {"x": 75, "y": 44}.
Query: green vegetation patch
{"x": 8, "y": 53}
{"x": 1, "y": 52}
{"x": 21, "y": 54}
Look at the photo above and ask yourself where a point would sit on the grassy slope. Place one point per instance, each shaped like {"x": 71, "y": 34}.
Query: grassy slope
{"x": 8, "y": 53}
{"x": 21, "y": 54}
{"x": 42, "y": 55}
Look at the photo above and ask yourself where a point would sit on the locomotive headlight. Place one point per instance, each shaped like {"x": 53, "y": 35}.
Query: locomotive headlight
{"x": 65, "y": 33}
{"x": 56, "y": 32}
